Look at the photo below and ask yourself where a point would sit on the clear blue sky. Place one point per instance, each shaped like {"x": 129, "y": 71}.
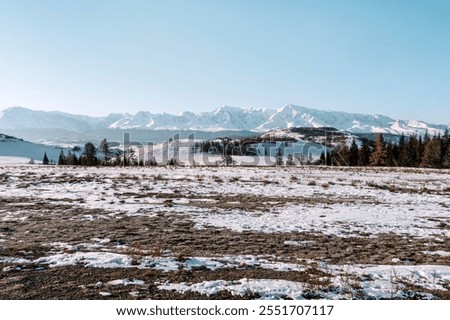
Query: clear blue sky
{"x": 95, "y": 57}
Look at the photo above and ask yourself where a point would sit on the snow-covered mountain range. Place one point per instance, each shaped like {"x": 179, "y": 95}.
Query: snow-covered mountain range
{"x": 223, "y": 118}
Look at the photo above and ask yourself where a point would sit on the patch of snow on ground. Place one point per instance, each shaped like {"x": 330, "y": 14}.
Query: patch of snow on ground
{"x": 374, "y": 282}
{"x": 438, "y": 253}
{"x": 298, "y": 243}
{"x": 104, "y": 294}
{"x": 387, "y": 282}
{"x": 14, "y": 260}
{"x": 89, "y": 259}
{"x": 126, "y": 282}
{"x": 114, "y": 260}
{"x": 266, "y": 288}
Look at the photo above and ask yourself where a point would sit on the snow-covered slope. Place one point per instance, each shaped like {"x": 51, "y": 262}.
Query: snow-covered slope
{"x": 13, "y": 147}
{"x": 223, "y": 118}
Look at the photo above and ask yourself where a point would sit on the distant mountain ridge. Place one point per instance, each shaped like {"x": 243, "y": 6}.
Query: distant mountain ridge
{"x": 223, "y": 118}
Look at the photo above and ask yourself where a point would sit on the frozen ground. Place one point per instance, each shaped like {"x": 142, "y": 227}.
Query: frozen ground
{"x": 224, "y": 232}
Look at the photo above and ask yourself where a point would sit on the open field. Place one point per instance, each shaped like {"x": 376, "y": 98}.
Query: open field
{"x": 224, "y": 233}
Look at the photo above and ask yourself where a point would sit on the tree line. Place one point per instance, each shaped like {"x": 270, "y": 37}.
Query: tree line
{"x": 103, "y": 156}
{"x": 412, "y": 151}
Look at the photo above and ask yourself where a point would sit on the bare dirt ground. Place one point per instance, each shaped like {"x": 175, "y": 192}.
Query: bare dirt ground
{"x": 33, "y": 226}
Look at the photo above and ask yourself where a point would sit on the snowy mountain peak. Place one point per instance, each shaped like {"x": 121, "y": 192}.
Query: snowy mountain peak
{"x": 228, "y": 109}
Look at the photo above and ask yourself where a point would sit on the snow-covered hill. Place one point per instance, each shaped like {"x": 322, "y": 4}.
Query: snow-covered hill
{"x": 223, "y": 118}
{"x": 25, "y": 150}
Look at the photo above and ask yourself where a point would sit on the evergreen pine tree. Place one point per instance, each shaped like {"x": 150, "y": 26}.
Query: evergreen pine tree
{"x": 89, "y": 158}
{"x": 45, "y": 160}
{"x": 104, "y": 148}
{"x": 445, "y": 148}
{"x": 390, "y": 159}
{"x": 62, "y": 159}
{"x": 446, "y": 159}
{"x": 446, "y": 135}
{"x": 395, "y": 158}
{"x": 411, "y": 155}
{"x": 420, "y": 149}
{"x": 379, "y": 156}
{"x": 426, "y": 137}
{"x": 432, "y": 154}
{"x": 328, "y": 158}
{"x": 353, "y": 154}
{"x": 364, "y": 154}
{"x": 71, "y": 159}
{"x": 403, "y": 151}
{"x": 322, "y": 158}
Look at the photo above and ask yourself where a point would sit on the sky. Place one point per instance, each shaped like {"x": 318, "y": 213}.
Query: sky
{"x": 98, "y": 57}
